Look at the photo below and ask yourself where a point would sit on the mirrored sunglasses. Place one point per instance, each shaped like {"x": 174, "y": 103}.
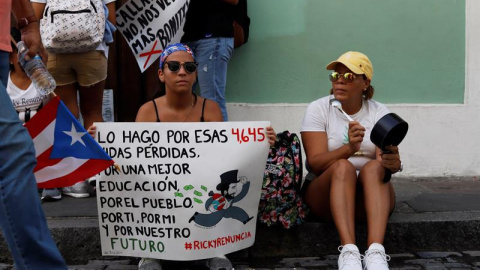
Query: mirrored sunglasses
{"x": 347, "y": 77}
{"x": 189, "y": 67}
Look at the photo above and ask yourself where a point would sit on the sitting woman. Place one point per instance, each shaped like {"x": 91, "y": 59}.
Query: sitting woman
{"x": 178, "y": 73}
{"x": 179, "y": 104}
{"x": 346, "y": 169}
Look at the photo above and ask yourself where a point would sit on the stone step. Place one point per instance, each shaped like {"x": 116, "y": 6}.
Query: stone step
{"x": 430, "y": 215}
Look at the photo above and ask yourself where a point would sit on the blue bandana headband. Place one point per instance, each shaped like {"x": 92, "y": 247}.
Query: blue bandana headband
{"x": 174, "y": 48}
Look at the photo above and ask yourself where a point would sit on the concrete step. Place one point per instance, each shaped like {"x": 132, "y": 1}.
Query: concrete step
{"x": 432, "y": 214}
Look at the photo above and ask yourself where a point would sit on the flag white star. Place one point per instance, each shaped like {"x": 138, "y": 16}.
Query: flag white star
{"x": 76, "y": 136}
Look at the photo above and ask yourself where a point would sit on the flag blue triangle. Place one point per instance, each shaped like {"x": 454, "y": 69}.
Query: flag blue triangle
{"x": 72, "y": 140}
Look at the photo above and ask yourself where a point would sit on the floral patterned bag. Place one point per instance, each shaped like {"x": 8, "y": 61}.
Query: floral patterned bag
{"x": 281, "y": 201}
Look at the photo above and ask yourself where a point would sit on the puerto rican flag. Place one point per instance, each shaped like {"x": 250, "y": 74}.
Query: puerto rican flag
{"x": 66, "y": 153}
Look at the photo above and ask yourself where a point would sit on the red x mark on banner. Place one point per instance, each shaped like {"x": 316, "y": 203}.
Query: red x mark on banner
{"x": 150, "y": 53}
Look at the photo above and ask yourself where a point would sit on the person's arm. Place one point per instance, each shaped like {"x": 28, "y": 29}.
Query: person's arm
{"x": 231, "y": 2}
{"x": 212, "y": 112}
{"x": 112, "y": 17}
{"x": 316, "y": 147}
{"x": 29, "y": 28}
{"x": 146, "y": 113}
{"x": 38, "y": 8}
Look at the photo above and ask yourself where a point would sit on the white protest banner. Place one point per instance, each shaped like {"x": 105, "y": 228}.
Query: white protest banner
{"x": 186, "y": 191}
{"x": 149, "y": 26}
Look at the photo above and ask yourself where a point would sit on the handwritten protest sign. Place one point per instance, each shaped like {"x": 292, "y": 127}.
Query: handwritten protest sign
{"x": 149, "y": 26}
{"x": 186, "y": 191}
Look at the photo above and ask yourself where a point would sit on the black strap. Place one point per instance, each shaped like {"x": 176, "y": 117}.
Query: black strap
{"x": 156, "y": 110}
{"x": 28, "y": 114}
{"x": 203, "y": 109}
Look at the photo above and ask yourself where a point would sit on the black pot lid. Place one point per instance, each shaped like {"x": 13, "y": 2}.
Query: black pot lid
{"x": 389, "y": 130}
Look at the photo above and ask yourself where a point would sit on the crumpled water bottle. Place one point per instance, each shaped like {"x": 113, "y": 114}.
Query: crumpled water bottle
{"x": 36, "y": 71}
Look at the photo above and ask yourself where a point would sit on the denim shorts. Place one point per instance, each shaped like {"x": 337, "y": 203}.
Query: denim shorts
{"x": 306, "y": 181}
{"x": 86, "y": 69}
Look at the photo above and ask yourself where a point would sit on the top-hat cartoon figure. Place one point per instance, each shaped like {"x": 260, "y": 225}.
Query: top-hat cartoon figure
{"x": 232, "y": 189}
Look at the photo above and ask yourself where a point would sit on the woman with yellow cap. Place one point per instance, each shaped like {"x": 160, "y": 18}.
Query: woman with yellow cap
{"x": 346, "y": 169}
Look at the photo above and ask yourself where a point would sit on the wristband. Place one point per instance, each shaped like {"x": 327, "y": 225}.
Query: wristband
{"x": 24, "y": 22}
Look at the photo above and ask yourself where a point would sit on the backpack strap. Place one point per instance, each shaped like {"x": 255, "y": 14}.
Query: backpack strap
{"x": 287, "y": 139}
{"x": 284, "y": 138}
{"x": 300, "y": 162}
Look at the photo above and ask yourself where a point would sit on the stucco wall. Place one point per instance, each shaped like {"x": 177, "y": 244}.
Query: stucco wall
{"x": 443, "y": 138}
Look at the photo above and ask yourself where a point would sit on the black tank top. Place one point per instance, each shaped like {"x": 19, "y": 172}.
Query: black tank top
{"x": 203, "y": 109}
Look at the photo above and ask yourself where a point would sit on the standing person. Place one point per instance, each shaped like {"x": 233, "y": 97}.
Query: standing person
{"x": 26, "y": 100}
{"x": 86, "y": 72}
{"x": 178, "y": 68}
{"x": 346, "y": 169}
{"x": 209, "y": 32}
{"x": 21, "y": 216}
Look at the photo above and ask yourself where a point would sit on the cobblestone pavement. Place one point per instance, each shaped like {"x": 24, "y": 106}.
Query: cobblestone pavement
{"x": 419, "y": 260}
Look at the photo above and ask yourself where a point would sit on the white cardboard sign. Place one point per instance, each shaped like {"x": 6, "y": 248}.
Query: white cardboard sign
{"x": 149, "y": 26}
{"x": 186, "y": 191}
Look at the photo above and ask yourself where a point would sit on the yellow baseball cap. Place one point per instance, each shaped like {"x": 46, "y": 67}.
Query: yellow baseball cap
{"x": 357, "y": 62}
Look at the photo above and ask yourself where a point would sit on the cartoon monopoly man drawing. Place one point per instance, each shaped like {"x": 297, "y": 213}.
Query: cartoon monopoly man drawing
{"x": 232, "y": 189}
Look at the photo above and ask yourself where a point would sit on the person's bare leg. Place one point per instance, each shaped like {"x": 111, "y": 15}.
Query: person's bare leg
{"x": 379, "y": 200}
{"x": 68, "y": 94}
{"x": 332, "y": 196}
{"x": 91, "y": 101}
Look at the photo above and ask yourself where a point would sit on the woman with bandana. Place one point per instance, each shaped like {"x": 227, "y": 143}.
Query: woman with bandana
{"x": 178, "y": 73}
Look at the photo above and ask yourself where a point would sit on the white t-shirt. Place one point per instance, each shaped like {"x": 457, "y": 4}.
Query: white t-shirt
{"x": 26, "y": 102}
{"x": 322, "y": 117}
{"x": 102, "y": 46}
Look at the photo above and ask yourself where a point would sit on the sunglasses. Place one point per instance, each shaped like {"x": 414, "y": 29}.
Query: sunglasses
{"x": 347, "y": 77}
{"x": 189, "y": 67}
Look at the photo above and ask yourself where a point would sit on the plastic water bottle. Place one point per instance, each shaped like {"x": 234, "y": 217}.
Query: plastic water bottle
{"x": 36, "y": 71}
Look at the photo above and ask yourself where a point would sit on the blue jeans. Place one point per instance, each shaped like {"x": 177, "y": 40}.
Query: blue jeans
{"x": 213, "y": 55}
{"x": 21, "y": 216}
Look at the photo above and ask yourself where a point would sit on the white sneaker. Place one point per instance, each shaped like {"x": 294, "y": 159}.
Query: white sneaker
{"x": 79, "y": 190}
{"x": 51, "y": 194}
{"x": 219, "y": 263}
{"x": 375, "y": 258}
{"x": 149, "y": 264}
{"x": 350, "y": 258}
{"x": 92, "y": 181}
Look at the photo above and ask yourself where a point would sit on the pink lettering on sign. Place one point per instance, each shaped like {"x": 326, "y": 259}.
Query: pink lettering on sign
{"x": 218, "y": 242}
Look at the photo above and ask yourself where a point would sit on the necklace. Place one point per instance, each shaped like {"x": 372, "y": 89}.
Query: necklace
{"x": 194, "y": 100}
